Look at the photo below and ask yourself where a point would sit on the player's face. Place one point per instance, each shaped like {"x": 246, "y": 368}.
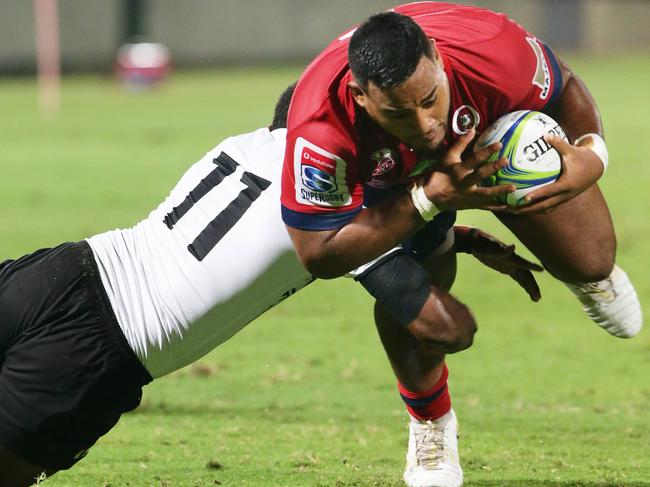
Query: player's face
{"x": 416, "y": 111}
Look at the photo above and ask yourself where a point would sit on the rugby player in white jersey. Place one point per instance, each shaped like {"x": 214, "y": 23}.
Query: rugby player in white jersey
{"x": 83, "y": 326}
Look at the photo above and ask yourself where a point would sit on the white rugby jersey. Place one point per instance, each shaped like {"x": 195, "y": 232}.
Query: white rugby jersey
{"x": 210, "y": 259}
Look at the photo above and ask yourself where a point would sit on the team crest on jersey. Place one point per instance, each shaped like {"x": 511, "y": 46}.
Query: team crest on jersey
{"x": 542, "y": 77}
{"x": 465, "y": 118}
{"x": 386, "y": 168}
{"x": 320, "y": 176}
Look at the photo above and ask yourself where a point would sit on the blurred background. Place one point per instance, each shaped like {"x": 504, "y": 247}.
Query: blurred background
{"x": 210, "y": 32}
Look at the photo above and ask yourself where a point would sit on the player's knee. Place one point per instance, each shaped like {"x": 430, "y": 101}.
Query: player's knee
{"x": 446, "y": 326}
{"x": 588, "y": 270}
{"x": 598, "y": 272}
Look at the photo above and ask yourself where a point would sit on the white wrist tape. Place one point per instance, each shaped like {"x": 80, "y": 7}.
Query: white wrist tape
{"x": 424, "y": 205}
{"x": 596, "y": 144}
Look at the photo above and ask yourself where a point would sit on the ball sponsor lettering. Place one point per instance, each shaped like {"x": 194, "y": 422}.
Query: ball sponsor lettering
{"x": 539, "y": 147}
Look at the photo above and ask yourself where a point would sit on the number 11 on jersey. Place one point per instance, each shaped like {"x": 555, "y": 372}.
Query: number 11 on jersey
{"x": 210, "y": 236}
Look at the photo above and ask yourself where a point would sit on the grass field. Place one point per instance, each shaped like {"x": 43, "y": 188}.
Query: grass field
{"x": 304, "y": 396}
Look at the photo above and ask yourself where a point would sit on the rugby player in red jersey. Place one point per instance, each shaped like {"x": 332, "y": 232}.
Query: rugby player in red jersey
{"x": 377, "y": 155}
{"x": 85, "y": 325}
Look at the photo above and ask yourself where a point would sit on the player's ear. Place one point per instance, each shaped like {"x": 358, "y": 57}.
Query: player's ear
{"x": 434, "y": 51}
{"x": 357, "y": 93}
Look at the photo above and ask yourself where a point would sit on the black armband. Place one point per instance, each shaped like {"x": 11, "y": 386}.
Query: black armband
{"x": 400, "y": 284}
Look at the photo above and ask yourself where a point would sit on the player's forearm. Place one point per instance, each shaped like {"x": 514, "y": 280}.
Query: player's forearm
{"x": 371, "y": 233}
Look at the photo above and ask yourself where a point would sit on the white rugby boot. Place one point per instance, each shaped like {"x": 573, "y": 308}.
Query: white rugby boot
{"x": 432, "y": 457}
{"x": 611, "y": 303}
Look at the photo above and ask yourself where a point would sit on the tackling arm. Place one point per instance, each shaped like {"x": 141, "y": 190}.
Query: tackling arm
{"x": 495, "y": 254}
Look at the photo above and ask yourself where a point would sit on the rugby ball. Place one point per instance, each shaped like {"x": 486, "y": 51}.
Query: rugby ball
{"x": 532, "y": 162}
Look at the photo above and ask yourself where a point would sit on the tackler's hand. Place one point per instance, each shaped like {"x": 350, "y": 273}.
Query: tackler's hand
{"x": 501, "y": 257}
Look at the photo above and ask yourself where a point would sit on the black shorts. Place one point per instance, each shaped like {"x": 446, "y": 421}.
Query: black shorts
{"x": 67, "y": 372}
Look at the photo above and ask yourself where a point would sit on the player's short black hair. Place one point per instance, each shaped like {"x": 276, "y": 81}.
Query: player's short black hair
{"x": 282, "y": 108}
{"x": 386, "y": 49}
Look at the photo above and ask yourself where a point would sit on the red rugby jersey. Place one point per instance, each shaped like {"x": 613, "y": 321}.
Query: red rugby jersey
{"x": 334, "y": 150}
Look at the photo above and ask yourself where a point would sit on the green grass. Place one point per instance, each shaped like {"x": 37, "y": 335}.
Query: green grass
{"x": 304, "y": 396}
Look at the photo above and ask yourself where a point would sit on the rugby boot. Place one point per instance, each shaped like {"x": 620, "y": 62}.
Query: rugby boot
{"x": 432, "y": 457}
{"x": 611, "y": 303}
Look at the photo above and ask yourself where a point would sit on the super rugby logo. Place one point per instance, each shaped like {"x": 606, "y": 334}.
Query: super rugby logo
{"x": 315, "y": 178}
{"x": 318, "y": 180}
{"x": 321, "y": 176}
{"x": 542, "y": 76}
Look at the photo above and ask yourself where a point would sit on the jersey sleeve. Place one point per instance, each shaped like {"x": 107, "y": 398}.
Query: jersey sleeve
{"x": 524, "y": 68}
{"x": 320, "y": 186}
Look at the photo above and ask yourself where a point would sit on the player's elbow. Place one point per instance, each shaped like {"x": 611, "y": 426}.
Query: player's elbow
{"x": 317, "y": 264}
{"x": 447, "y": 326}
{"x": 320, "y": 266}
{"x": 316, "y": 254}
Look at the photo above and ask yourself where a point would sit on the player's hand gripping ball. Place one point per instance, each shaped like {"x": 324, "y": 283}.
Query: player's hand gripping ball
{"x": 532, "y": 162}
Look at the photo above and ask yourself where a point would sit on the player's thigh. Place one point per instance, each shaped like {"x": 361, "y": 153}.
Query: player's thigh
{"x": 16, "y": 472}
{"x": 575, "y": 241}
{"x": 67, "y": 373}
{"x": 444, "y": 325}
